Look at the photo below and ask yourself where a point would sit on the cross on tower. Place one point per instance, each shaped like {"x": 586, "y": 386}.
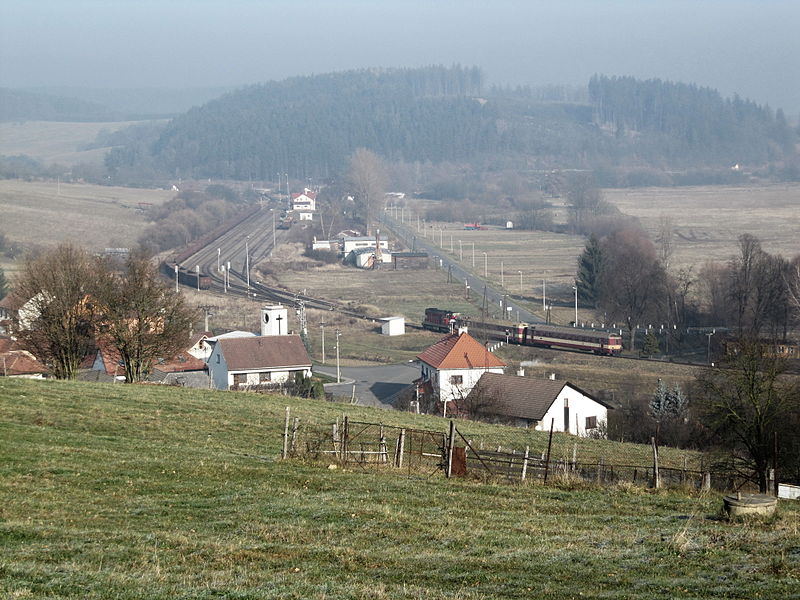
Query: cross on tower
{"x": 279, "y": 319}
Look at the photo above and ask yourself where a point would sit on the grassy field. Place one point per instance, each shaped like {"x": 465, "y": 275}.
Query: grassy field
{"x": 42, "y": 213}
{"x": 147, "y": 492}
{"x": 55, "y": 142}
{"x": 709, "y": 219}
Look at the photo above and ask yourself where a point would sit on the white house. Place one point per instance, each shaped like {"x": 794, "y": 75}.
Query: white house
{"x": 529, "y": 402}
{"x": 453, "y": 365}
{"x": 305, "y": 202}
{"x": 244, "y": 362}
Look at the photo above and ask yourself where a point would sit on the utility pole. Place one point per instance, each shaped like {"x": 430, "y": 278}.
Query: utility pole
{"x": 485, "y": 266}
{"x": 575, "y": 289}
{"x": 176, "y": 278}
{"x": 247, "y": 262}
{"x": 197, "y": 267}
{"x": 219, "y": 251}
{"x": 273, "y": 231}
{"x": 520, "y": 282}
{"x": 473, "y": 255}
{"x": 460, "y": 251}
{"x": 502, "y": 277}
{"x": 338, "y": 371}
{"x": 322, "y": 326}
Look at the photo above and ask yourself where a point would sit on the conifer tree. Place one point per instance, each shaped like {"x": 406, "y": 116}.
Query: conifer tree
{"x": 590, "y": 267}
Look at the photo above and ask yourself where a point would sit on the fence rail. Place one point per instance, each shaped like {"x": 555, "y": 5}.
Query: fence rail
{"x": 411, "y": 451}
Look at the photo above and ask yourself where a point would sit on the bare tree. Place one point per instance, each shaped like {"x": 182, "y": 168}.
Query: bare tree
{"x": 58, "y": 321}
{"x": 143, "y": 317}
{"x": 664, "y": 235}
{"x": 747, "y": 404}
{"x": 585, "y": 201}
{"x": 367, "y": 177}
{"x": 634, "y": 283}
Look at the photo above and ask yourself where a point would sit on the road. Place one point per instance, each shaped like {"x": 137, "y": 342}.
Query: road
{"x": 439, "y": 256}
{"x": 375, "y": 386}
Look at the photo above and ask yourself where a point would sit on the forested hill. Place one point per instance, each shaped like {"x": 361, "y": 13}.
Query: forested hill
{"x": 309, "y": 126}
{"x": 680, "y": 118}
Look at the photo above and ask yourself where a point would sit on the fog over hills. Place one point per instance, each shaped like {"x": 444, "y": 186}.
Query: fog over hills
{"x": 745, "y": 47}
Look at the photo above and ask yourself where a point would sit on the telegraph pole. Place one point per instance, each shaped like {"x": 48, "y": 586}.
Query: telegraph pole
{"x": 322, "y": 326}
{"x": 338, "y": 371}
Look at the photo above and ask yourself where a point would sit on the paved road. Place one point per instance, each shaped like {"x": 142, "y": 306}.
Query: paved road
{"x": 374, "y": 385}
{"x": 475, "y": 283}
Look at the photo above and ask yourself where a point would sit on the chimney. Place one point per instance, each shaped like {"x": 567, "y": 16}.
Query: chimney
{"x": 520, "y": 372}
{"x": 552, "y": 377}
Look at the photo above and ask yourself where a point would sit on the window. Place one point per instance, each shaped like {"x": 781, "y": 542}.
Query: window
{"x": 239, "y": 378}
{"x": 217, "y": 358}
{"x": 264, "y": 377}
{"x": 591, "y": 422}
{"x": 456, "y": 379}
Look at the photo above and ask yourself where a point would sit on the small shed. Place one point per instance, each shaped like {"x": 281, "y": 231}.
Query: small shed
{"x": 393, "y": 326}
{"x": 409, "y": 260}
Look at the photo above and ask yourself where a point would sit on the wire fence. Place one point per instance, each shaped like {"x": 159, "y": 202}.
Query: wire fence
{"x": 415, "y": 452}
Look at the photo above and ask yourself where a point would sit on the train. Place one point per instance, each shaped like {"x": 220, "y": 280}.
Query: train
{"x": 186, "y": 276}
{"x": 437, "y": 319}
{"x": 526, "y": 334}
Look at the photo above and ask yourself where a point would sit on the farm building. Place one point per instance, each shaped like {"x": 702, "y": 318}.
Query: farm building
{"x": 258, "y": 361}
{"x": 364, "y": 258}
{"x": 528, "y": 402}
{"x": 409, "y": 260}
{"x": 452, "y": 366}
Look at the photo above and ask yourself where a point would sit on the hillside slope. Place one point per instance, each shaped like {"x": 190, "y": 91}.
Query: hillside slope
{"x": 141, "y": 492}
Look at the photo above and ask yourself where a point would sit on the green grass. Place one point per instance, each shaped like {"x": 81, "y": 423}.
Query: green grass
{"x": 148, "y": 492}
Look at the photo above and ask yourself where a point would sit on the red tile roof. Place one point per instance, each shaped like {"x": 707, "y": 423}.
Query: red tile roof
{"x": 460, "y": 351}
{"x": 260, "y": 352}
{"x": 20, "y": 362}
{"x": 182, "y": 362}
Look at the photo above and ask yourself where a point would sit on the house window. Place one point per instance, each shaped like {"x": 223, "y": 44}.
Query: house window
{"x": 217, "y": 358}
{"x": 591, "y": 422}
{"x": 239, "y": 379}
{"x": 264, "y": 377}
{"x": 456, "y": 379}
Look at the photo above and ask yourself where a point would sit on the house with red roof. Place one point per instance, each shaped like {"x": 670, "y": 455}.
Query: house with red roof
{"x": 241, "y": 363}
{"x": 16, "y": 362}
{"x": 452, "y": 366}
{"x": 304, "y": 202}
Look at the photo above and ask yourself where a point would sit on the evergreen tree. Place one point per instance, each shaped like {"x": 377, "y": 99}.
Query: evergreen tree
{"x": 659, "y": 402}
{"x": 590, "y": 267}
{"x": 650, "y": 344}
{"x": 677, "y": 403}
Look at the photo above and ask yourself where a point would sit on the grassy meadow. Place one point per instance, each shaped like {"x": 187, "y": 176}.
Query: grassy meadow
{"x": 150, "y": 492}
{"x": 56, "y": 142}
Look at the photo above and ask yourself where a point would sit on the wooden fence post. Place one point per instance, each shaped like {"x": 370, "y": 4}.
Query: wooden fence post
{"x": 335, "y": 438}
{"x": 345, "y": 441}
{"x": 382, "y": 448}
{"x": 285, "y": 449}
{"x": 599, "y": 470}
{"x": 574, "y": 456}
{"x": 451, "y": 438}
{"x": 295, "y": 427}
{"x": 549, "y": 445}
{"x": 525, "y": 463}
{"x": 656, "y": 478}
{"x": 401, "y": 443}
{"x": 706, "y": 481}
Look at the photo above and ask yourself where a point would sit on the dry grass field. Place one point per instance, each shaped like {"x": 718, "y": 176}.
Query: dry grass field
{"x": 54, "y": 142}
{"x": 709, "y": 219}
{"x": 93, "y": 216}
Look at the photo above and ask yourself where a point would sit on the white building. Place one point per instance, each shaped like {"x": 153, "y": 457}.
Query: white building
{"x": 356, "y": 243}
{"x": 245, "y": 362}
{"x": 305, "y": 202}
{"x": 452, "y": 367}
{"x": 529, "y": 402}
{"x": 393, "y": 326}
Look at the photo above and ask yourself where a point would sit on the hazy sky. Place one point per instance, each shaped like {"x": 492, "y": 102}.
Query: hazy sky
{"x": 745, "y": 46}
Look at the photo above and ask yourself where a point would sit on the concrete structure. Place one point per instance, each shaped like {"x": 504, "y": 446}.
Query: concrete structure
{"x": 393, "y": 326}
{"x": 364, "y": 258}
{"x": 528, "y": 402}
{"x": 409, "y": 260}
{"x": 259, "y": 361}
{"x": 453, "y": 365}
